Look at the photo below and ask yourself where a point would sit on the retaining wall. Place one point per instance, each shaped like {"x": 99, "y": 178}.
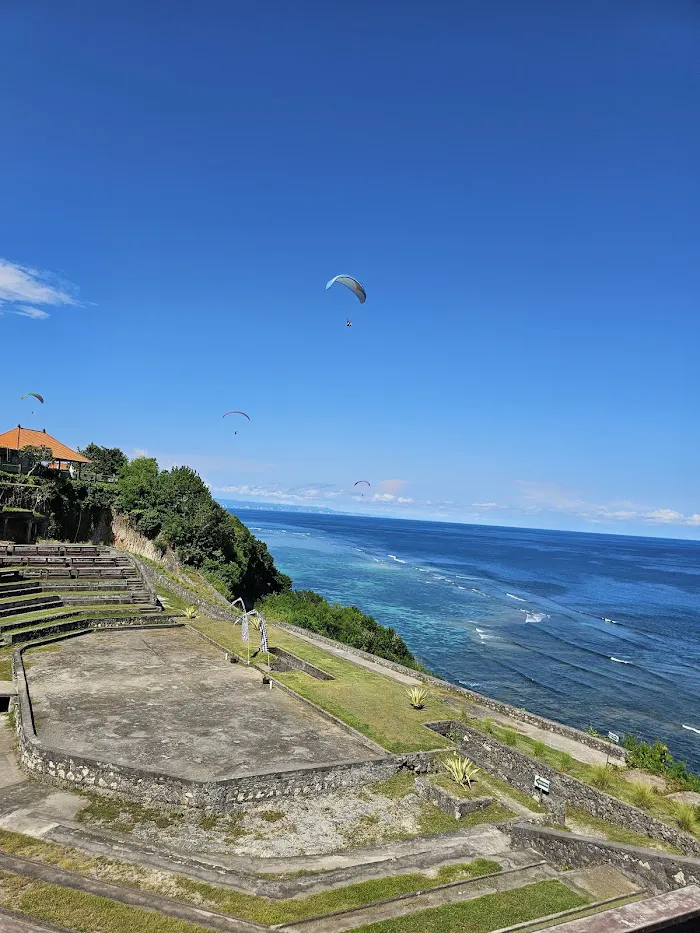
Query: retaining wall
{"x": 657, "y": 871}
{"x": 520, "y": 771}
{"x": 286, "y": 661}
{"x": 447, "y": 802}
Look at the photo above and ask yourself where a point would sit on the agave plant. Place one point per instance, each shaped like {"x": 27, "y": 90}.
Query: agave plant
{"x": 417, "y": 697}
{"x": 190, "y": 612}
{"x": 461, "y": 770}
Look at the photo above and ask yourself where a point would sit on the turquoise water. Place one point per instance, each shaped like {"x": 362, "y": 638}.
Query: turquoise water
{"x": 598, "y": 630}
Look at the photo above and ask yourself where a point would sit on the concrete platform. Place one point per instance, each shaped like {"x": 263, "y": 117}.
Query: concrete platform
{"x": 168, "y": 701}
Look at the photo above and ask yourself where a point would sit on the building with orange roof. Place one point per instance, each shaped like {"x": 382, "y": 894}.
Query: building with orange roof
{"x": 12, "y": 441}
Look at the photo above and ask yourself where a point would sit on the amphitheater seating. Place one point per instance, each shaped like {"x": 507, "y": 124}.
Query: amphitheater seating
{"x": 61, "y": 587}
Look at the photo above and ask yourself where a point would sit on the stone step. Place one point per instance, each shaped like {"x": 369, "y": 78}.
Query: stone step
{"x": 19, "y": 588}
{"x": 34, "y": 603}
{"x": 19, "y": 636}
{"x": 6, "y": 625}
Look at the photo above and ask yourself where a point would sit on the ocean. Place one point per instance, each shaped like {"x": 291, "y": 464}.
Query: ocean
{"x": 589, "y": 629}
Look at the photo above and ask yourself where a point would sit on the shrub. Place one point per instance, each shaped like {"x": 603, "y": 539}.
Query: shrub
{"x": 509, "y": 737}
{"x": 417, "y": 697}
{"x": 602, "y": 777}
{"x": 657, "y": 759}
{"x": 461, "y": 770}
{"x": 539, "y": 750}
{"x": 642, "y": 796}
{"x": 685, "y": 816}
{"x": 566, "y": 762}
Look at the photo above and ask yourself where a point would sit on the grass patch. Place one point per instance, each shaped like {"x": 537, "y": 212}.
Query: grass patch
{"x": 488, "y": 912}
{"x": 372, "y": 703}
{"x": 88, "y": 912}
{"x": 271, "y": 816}
{"x": 208, "y": 820}
{"x": 125, "y": 814}
{"x": 615, "y": 833}
{"x": 397, "y": 787}
{"x": 432, "y": 820}
{"x": 5, "y": 664}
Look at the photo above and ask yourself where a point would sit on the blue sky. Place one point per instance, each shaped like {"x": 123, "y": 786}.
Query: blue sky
{"x": 516, "y": 185}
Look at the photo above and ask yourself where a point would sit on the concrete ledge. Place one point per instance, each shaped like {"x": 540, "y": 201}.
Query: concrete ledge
{"x": 286, "y": 661}
{"x": 677, "y": 912}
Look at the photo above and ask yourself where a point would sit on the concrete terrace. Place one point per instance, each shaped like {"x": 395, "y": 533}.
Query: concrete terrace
{"x": 166, "y": 701}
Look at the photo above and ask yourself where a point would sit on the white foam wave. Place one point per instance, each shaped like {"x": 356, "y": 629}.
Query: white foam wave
{"x": 397, "y": 559}
{"x": 613, "y": 621}
{"x": 534, "y": 616}
{"x": 460, "y": 587}
{"x": 468, "y": 683}
{"x": 519, "y": 598}
{"x": 619, "y": 661}
{"x": 690, "y": 728}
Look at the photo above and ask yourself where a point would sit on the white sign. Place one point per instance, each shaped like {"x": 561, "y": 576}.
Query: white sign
{"x": 542, "y": 784}
{"x": 614, "y": 737}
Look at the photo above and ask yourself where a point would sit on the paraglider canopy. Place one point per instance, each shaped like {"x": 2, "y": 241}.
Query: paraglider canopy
{"x": 226, "y": 413}
{"x": 33, "y": 395}
{"x": 349, "y": 282}
{"x": 360, "y": 481}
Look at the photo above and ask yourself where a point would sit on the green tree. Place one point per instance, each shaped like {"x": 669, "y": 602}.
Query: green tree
{"x": 107, "y": 461}
{"x": 33, "y": 457}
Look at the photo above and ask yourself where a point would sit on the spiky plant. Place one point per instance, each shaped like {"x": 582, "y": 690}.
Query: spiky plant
{"x": 190, "y": 612}
{"x": 417, "y": 697}
{"x": 461, "y": 770}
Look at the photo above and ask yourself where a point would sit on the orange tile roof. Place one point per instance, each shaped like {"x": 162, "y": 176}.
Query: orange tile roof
{"x": 19, "y": 437}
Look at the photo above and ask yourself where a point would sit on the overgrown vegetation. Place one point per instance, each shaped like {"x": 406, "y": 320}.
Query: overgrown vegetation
{"x": 655, "y": 758}
{"x": 342, "y": 623}
{"x": 175, "y": 509}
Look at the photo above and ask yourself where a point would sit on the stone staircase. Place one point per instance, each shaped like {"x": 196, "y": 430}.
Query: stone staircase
{"x": 54, "y": 588}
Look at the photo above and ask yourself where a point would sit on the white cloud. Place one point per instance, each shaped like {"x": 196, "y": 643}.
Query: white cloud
{"x": 297, "y": 494}
{"x": 388, "y": 497}
{"x": 28, "y": 311}
{"x": 665, "y": 515}
{"x": 20, "y": 284}
{"x": 488, "y": 505}
{"x": 552, "y": 497}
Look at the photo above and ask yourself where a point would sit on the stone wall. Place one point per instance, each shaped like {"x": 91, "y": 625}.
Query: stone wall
{"x": 520, "y": 771}
{"x": 286, "y": 661}
{"x": 447, "y": 802}
{"x": 63, "y": 624}
{"x": 522, "y": 715}
{"x": 74, "y": 771}
{"x": 656, "y": 871}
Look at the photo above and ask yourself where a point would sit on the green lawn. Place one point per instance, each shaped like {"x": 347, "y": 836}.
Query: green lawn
{"x": 374, "y": 704}
{"x": 5, "y": 664}
{"x": 486, "y": 913}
